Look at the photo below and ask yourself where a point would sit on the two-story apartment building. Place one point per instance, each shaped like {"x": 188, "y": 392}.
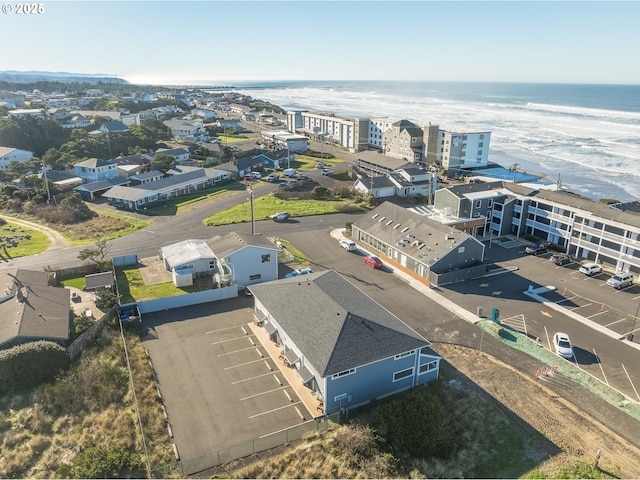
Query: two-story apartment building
{"x": 191, "y": 131}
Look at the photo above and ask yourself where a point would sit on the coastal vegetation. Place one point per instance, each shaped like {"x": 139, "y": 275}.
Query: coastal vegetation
{"x": 17, "y": 240}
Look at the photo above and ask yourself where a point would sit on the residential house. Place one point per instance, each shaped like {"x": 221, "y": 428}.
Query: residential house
{"x": 229, "y": 124}
{"x": 344, "y": 346}
{"x": 10, "y": 154}
{"x": 25, "y": 112}
{"x": 65, "y": 180}
{"x": 204, "y": 113}
{"x": 31, "y": 310}
{"x": 192, "y": 255}
{"x": 240, "y": 167}
{"x": 136, "y": 164}
{"x": 252, "y": 258}
{"x": 116, "y": 126}
{"x": 75, "y": 121}
{"x": 92, "y": 190}
{"x": 190, "y": 131}
{"x": 146, "y": 177}
{"x": 95, "y": 169}
{"x": 425, "y": 248}
{"x": 179, "y": 154}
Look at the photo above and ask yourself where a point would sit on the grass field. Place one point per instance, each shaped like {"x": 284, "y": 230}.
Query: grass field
{"x": 265, "y": 206}
{"x": 38, "y": 242}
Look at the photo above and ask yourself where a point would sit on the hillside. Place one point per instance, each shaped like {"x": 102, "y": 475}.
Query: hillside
{"x": 14, "y": 76}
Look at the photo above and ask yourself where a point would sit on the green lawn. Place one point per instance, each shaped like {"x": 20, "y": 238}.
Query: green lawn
{"x": 228, "y": 139}
{"x": 38, "y": 242}
{"x": 268, "y": 205}
{"x": 305, "y": 163}
{"x": 174, "y": 206}
{"x": 78, "y": 282}
{"x": 132, "y": 288}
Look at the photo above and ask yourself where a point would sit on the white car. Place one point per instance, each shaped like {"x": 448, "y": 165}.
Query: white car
{"x": 348, "y": 245}
{"x": 562, "y": 345}
{"x": 590, "y": 269}
{"x": 620, "y": 280}
{"x": 256, "y": 175}
{"x": 299, "y": 272}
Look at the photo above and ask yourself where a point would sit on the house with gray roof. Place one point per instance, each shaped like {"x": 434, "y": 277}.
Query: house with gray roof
{"x": 142, "y": 195}
{"x": 91, "y": 191}
{"x": 342, "y": 343}
{"x": 31, "y": 310}
{"x": 428, "y": 250}
{"x": 253, "y": 258}
{"x": 115, "y": 126}
{"x": 94, "y": 169}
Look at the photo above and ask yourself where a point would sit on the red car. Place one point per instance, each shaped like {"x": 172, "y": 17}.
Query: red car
{"x": 375, "y": 262}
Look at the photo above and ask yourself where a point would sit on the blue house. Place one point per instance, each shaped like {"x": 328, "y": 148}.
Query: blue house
{"x": 95, "y": 169}
{"x": 345, "y": 346}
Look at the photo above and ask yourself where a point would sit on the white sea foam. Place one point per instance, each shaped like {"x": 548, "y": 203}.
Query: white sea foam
{"x": 596, "y": 152}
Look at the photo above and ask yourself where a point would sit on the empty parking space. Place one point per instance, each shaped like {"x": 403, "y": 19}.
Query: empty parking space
{"x": 219, "y": 384}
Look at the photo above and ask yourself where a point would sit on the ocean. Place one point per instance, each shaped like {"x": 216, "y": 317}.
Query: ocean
{"x": 586, "y": 136}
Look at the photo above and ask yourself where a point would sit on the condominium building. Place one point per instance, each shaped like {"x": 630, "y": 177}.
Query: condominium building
{"x": 587, "y": 230}
{"x": 462, "y": 151}
{"x": 404, "y": 140}
{"x": 377, "y": 127}
{"x": 349, "y": 133}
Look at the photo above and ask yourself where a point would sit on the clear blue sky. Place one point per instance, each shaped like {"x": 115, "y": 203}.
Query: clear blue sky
{"x": 179, "y": 42}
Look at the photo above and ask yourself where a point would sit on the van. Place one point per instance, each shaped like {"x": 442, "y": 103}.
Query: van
{"x": 289, "y": 172}
{"x": 348, "y": 245}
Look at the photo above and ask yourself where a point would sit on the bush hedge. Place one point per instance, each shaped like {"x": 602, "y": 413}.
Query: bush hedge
{"x": 29, "y": 364}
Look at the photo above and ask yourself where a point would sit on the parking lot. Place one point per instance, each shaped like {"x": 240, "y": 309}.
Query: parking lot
{"x": 220, "y": 385}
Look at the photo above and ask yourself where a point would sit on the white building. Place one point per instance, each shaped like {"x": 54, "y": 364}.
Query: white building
{"x": 293, "y": 142}
{"x": 8, "y": 155}
{"x": 459, "y": 151}
{"x": 192, "y": 131}
{"x": 377, "y": 127}
{"x": 349, "y": 133}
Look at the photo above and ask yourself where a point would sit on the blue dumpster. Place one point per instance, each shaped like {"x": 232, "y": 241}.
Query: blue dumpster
{"x": 495, "y": 314}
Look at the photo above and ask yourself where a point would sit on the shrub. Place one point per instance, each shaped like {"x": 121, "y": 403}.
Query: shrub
{"x": 27, "y": 365}
{"x": 107, "y": 462}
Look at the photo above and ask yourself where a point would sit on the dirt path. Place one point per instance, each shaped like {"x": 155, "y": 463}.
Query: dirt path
{"x": 534, "y": 406}
{"x": 57, "y": 240}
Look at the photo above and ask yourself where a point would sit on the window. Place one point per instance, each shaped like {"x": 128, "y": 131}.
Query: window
{"x": 405, "y": 354}
{"x": 254, "y": 277}
{"x": 490, "y": 203}
{"x": 478, "y": 203}
{"x": 427, "y": 367}
{"x": 339, "y": 398}
{"x": 343, "y": 374}
{"x": 266, "y": 258}
{"x": 402, "y": 374}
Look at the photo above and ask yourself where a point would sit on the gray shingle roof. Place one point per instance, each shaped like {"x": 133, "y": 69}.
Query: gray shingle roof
{"x": 229, "y": 243}
{"x": 105, "y": 184}
{"x": 336, "y": 326}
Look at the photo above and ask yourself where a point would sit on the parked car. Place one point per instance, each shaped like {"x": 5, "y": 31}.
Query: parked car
{"x": 348, "y": 245}
{"x": 560, "y": 258}
{"x": 272, "y": 177}
{"x": 299, "y": 272}
{"x": 375, "y": 262}
{"x": 590, "y": 269}
{"x": 562, "y": 345}
{"x": 256, "y": 175}
{"x": 536, "y": 248}
{"x": 319, "y": 165}
{"x": 289, "y": 172}
{"x": 301, "y": 177}
{"x": 282, "y": 184}
{"x": 327, "y": 171}
{"x": 249, "y": 177}
{"x": 620, "y": 280}
{"x": 280, "y": 216}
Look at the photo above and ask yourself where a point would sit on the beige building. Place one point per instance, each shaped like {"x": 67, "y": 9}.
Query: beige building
{"x": 403, "y": 140}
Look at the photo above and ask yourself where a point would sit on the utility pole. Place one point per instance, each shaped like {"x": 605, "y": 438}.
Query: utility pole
{"x": 515, "y": 170}
{"x": 253, "y": 219}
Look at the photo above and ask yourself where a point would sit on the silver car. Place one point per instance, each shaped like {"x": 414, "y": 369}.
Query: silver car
{"x": 620, "y": 280}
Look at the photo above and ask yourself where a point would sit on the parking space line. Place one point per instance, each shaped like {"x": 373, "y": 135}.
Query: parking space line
{"x": 599, "y": 313}
{"x": 251, "y": 378}
{"x": 581, "y": 306}
{"x": 568, "y": 299}
{"x": 262, "y": 393}
{"x": 612, "y": 323}
{"x": 275, "y": 410}
{"x": 228, "y": 340}
{"x": 222, "y": 329}
{"x": 235, "y": 351}
{"x": 243, "y": 364}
